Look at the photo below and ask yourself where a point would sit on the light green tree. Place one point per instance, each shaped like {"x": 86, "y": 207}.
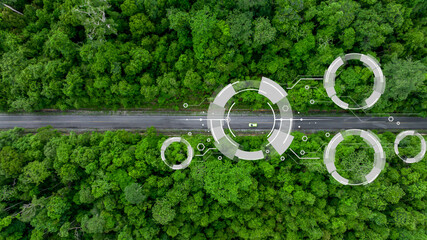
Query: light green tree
{"x": 135, "y": 194}
{"x": 263, "y": 31}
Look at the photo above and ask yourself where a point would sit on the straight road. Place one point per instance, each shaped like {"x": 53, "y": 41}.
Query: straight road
{"x": 192, "y": 122}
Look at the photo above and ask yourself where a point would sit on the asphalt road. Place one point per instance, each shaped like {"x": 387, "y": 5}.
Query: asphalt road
{"x": 174, "y": 122}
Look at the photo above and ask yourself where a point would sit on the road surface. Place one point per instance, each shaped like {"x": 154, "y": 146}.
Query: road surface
{"x": 192, "y": 122}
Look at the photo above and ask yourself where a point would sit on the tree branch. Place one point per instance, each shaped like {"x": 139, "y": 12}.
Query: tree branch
{"x": 11, "y": 8}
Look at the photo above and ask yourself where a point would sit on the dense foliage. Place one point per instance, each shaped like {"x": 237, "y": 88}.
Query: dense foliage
{"x": 113, "y": 185}
{"x": 71, "y": 54}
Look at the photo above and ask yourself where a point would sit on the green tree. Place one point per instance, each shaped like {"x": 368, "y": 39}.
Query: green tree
{"x": 403, "y": 77}
{"x": 167, "y": 85}
{"x": 92, "y": 13}
{"x": 129, "y": 7}
{"x": 95, "y": 224}
{"x": 263, "y": 31}
{"x": 192, "y": 80}
{"x": 241, "y": 27}
{"x": 202, "y": 24}
{"x": 56, "y": 207}
{"x": 371, "y": 29}
{"x": 85, "y": 195}
{"x": 35, "y": 172}
{"x": 223, "y": 181}
{"x": 11, "y": 162}
{"x": 141, "y": 58}
{"x": 140, "y": 25}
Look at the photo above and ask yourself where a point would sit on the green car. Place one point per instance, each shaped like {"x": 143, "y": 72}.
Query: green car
{"x": 253, "y": 125}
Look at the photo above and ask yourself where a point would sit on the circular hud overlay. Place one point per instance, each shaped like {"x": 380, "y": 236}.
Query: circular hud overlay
{"x": 279, "y": 139}
{"x": 369, "y": 62}
{"x": 371, "y": 140}
{"x": 420, "y": 155}
{"x": 187, "y": 161}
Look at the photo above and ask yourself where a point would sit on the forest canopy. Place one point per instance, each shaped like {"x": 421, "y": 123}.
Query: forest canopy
{"x": 141, "y": 53}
